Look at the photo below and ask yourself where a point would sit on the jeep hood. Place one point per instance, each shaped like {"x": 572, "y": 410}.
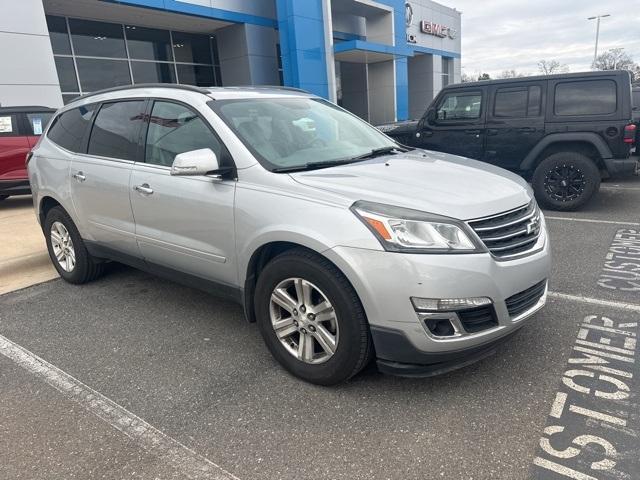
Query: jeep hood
{"x": 432, "y": 182}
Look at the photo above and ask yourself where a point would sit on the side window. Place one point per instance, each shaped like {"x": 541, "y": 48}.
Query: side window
{"x": 460, "y": 106}
{"x": 591, "y": 97}
{"x": 68, "y": 129}
{"x": 9, "y": 126}
{"x": 535, "y": 94}
{"x": 115, "y": 131}
{"x": 511, "y": 103}
{"x": 37, "y": 122}
{"x": 174, "y": 129}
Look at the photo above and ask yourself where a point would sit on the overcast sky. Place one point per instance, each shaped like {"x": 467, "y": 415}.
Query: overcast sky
{"x": 515, "y": 34}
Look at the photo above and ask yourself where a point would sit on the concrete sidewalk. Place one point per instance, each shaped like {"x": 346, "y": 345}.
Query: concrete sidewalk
{"x": 23, "y": 257}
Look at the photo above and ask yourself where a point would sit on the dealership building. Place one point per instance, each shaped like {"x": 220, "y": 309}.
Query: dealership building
{"x": 381, "y": 59}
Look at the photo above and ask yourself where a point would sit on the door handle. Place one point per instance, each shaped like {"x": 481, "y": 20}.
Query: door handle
{"x": 527, "y": 129}
{"x": 491, "y": 131}
{"x": 79, "y": 176}
{"x": 144, "y": 188}
{"x": 473, "y": 132}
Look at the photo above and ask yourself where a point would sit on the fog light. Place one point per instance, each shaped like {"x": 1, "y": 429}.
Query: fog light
{"x": 448, "y": 304}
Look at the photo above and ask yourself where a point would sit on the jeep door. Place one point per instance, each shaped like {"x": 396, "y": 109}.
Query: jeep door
{"x": 515, "y": 122}
{"x": 185, "y": 223}
{"x": 456, "y": 123}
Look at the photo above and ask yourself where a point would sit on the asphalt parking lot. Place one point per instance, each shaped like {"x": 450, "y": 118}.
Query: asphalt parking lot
{"x": 156, "y": 380}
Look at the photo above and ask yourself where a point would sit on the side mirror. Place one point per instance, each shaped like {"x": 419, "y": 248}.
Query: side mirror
{"x": 195, "y": 162}
{"x": 431, "y": 115}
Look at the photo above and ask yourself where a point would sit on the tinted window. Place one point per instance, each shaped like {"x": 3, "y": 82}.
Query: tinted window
{"x": 8, "y": 126}
{"x": 636, "y": 99}
{"x": 115, "y": 131}
{"x": 153, "y": 72}
{"x": 460, "y": 106}
{"x": 58, "y": 35}
{"x": 511, "y": 103}
{"x": 37, "y": 122}
{"x": 191, "y": 48}
{"x": 200, "y": 75}
{"x": 66, "y": 74}
{"x": 592, "y": 97}
{"x": 148, "y": 43}
{"x": 97, "y": 39}
{"x": 69, "y": 128}
{"x": 96, "y": 74}
{"x": 175, "y": 129}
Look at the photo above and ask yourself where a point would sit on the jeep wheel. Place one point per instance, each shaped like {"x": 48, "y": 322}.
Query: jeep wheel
{"x": 311, "y": 318}
{"x": 67, "y": 250}
{"x": 565, "y": 181}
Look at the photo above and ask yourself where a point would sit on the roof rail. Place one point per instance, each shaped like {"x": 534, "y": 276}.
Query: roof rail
{"x": 178, "y": 86}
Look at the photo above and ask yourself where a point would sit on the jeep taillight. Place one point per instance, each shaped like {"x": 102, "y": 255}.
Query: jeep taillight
{"x": 630, "y": 133}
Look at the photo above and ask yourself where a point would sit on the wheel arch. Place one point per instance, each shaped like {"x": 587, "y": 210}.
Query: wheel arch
{"x": 588, "y": 144}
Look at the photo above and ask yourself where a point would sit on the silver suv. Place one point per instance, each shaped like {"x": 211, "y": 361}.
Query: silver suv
{"x": 340, "y": 243}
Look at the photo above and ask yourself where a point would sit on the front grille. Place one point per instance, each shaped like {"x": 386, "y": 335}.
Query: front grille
{"x": 477, "y": 319}
{"x": 510, "y": 233}
{"x": 523, "y": 301}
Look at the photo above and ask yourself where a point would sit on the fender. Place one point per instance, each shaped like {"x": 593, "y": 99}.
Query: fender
{"x": 586, "y": 137}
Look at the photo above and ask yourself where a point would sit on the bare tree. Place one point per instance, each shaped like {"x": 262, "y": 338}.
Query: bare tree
{"x": 466, "y": 78}
{"x": 549, "y": 67}
{"x": 511, "y": 74}
{"x": 614, "y": 59}
{"x": 484, "y": 76}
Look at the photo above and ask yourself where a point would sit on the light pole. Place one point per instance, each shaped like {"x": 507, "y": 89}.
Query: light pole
{"x": 597, "y": 17}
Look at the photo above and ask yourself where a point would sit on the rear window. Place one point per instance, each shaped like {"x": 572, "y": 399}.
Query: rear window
{"x": 636, "y": 100}
{"x": 115, "y": 131}
{"x": 8, "y": 126}
{"x": 69, "y": 128}
{"x": 37, "y": 122}
{"x": 591, "y": 97}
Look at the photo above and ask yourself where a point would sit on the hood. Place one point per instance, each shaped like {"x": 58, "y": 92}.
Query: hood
{"x": 432, "y": 182}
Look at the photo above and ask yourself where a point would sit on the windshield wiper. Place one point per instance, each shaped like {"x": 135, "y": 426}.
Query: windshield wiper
{"x": 376, "y": 152}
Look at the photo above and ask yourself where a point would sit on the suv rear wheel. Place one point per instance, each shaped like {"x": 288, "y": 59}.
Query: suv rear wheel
{"x": 565, "y": 181}
{"x": 311, "y": 318}
{"x": 67, "y": 250}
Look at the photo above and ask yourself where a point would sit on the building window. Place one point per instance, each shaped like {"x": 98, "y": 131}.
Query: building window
{"x": 446, "y": 71}
{"x": 92, "y": 55}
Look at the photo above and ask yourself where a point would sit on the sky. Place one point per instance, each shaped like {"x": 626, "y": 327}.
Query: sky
{"x": 500, "y": 35}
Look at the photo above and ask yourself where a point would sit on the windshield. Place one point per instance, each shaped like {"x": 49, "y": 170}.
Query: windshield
{"x": 285, "y": 133}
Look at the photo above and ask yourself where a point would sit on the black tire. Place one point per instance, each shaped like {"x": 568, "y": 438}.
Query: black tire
{"x": 86, "y": 267}
{"x": 572, "y": 168}
{"x": 354, "y": 347}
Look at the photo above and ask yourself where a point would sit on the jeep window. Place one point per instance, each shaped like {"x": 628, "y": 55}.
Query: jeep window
{"x": 286, "y": 133}
{"x": 592, "y": 97}
{"x": 115, "y": 131}
{"x": 635, "y": 100}
{"x": 174, "y": 129}
{"x": 459, "y": 106}
{"x": 69, "y": 128}
{"x": 517, "y": 102}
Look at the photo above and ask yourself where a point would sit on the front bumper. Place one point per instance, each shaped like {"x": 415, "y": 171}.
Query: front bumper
{"x": 385, "y": 281}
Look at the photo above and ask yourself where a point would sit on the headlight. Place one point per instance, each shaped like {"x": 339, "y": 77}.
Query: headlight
{"x": 405, "y": 230}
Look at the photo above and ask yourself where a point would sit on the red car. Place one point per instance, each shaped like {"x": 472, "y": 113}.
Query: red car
{"x": 20, "y": 128}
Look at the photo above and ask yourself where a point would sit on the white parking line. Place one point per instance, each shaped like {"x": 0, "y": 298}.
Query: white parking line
{"x": 618, "y": 187}
{"x": 596, "y": 301}
{"x": 592, "y": 220}
{"x": 187, "y": 462}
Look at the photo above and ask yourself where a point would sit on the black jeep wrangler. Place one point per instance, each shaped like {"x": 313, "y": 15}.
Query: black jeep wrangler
{"x": 563, "y": 133}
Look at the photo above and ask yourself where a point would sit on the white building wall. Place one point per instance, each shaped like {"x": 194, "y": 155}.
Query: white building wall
{"x": 29, "y": 74}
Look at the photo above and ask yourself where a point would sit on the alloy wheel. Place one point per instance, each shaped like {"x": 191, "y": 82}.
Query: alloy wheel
{"x": 304, "y": 320}
{"x": 564, "y": 183}
{"x": 63, "y": 246}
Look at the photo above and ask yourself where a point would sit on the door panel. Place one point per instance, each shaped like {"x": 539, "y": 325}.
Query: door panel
{"x": 458, "y": 126}
{"x": 186, "y": 223}
{"x": 515, "y": 123}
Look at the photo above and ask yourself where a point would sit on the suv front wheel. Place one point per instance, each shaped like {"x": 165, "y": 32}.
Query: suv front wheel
{"x": 311, "y": 318}
{"x": 67, "y": 250}
{"x": 565, "y": 181}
